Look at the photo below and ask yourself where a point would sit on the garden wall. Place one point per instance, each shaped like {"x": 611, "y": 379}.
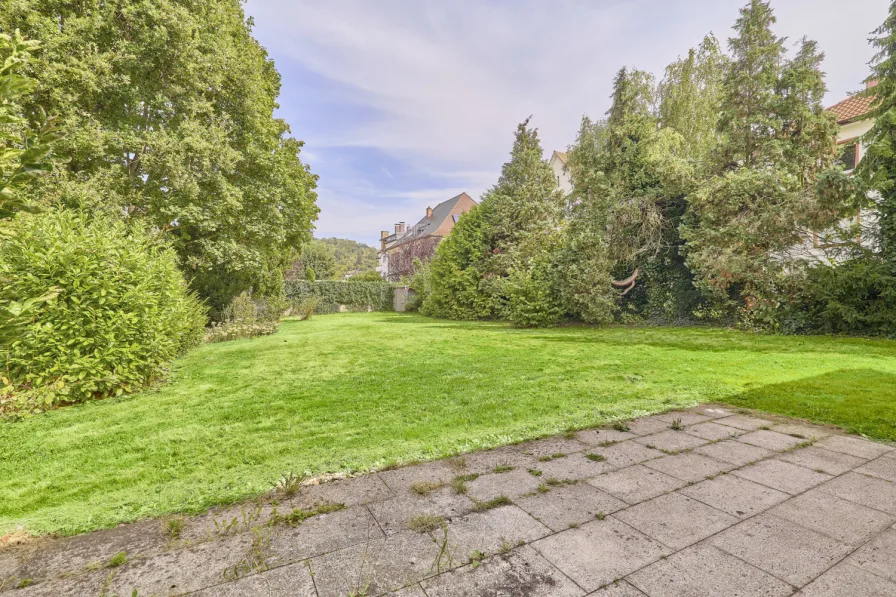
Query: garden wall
{"x": 339, "y": 296}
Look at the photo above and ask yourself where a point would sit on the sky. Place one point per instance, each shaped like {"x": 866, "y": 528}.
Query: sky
{"x": 403, "y": 104}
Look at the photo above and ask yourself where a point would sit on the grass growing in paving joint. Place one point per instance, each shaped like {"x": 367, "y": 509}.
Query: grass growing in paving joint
{"x": 360, "y": 391}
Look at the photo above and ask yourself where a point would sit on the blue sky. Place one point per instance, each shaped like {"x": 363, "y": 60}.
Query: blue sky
{"x": 405, "y": 103}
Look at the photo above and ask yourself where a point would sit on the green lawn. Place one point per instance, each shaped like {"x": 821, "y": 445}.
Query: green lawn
{"x": 361, "y": 391}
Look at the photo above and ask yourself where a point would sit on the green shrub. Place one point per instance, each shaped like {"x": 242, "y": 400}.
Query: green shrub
{"x": 353, "y": 296}
{"x": 854, "y": 297}
{"x": 122, "y": 313}
{"x": 247, "y": 317}
{"x": 304, "y": 309}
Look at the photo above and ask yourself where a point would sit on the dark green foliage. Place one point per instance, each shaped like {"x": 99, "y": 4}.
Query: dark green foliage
{"x": 123, "y": 310}
{"x": 168, "y": 107}
{"x": 877, "y": 169}
{"x": 354, "y": 296}
{"x": 497, "y": 260}
{"x": 854, "y": 297}
{"x": 458, "y": 269}
{"x": 315, "y": 262}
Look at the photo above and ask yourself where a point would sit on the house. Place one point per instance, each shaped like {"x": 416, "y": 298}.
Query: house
{"x": 852, "y": 116}
{"x": 558, "y": 165}
{"x": 399, "y": 249}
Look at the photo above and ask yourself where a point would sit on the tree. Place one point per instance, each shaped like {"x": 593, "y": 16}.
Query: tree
{"x": 314, "y": 259}
{"x": 772, "y": 180}
{"x": 169, "y": 105}
{"x": 351, "y": 256}
{"x": 877, "y": 169}
{"x": 26, "y": 152}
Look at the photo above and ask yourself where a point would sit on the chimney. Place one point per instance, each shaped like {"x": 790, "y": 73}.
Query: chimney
{"x": 401, "y": 226}
{"x": 871, "y": 83}
{"x": 397, "y": 228}
{"x": 428, "y": 212}
{"x": 383, "y": 234}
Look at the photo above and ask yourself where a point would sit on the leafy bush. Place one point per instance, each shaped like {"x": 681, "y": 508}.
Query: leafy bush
{"x": 353, "y": 296}
{"x": 304, "y": 309}
{"x": 247, "y": 317}
{"x": 123, "y": 310}
{"x": 854, "y": 297}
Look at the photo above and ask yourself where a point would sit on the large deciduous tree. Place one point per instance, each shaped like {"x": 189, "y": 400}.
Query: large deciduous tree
{"x": 169, "y": 109}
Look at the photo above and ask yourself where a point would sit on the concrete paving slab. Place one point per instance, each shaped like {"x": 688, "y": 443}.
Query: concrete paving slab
{"x": 684, "y": 417}
{"x": 689, "y": 467}
{"x": 393, "y": 516}
{"x": 804, "y": 431}
{"x": 854, "y": 446}
{"x": 402, "y": 479}
{"x": 520, "y": 572}
{"x": 782, "y": 548}
{"x": 771, "y": 440}
{"x": 862, "y": 489}
{"x": 490, "y": 532}
{"x": 734, "y": 452}
{"x": 74, "y": 554}
{"x": 619, "y": 588}
{"x": 376, "y": 567}
{"x": 82, "y": 584}
{"x": 648, "y": 425}
{"x": 324, "y": 533}
{"x": 596, "y": 437}
{"x": 783, "y": 476}
{"x": 835, "y": 517}
{"x": 412, "y": 591}
{"x": 671, "y": 441}
{"x": 636, "y": 484}
{"x": 882, "y": 468}
{"x": 844, "y": 580}
{"x": 188, "y": 570}
{"x": 705, "y": 571}
{"x": 713, "y": 411}
{"x": 676, "y": 520}
{"x": 575, "y": 466}
{"x": 351, "y": 492}
{"x": 550, "y": 446}
{"x": 563, "y": 507}
{"x": 287, "y": 581}
{"x": 878, "y": 556}
{"x": 600, "y": 552}
{"x": 822, "y": 460}
{"x": 450, "y": 503}
{"x": 628, "y": 453}
{"x": 745, "y": 422}
{"x": 511, "y": 484}
{"x": 713, "y": 431}
{"x": 485, "y": 462}
{"x": 735, "y": 496}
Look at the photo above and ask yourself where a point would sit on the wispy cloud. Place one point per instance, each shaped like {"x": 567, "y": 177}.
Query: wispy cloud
{"x": 427, "y": 93}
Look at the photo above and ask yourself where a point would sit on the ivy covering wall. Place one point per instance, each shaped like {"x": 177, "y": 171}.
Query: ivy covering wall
{"x": 354, "y": 296}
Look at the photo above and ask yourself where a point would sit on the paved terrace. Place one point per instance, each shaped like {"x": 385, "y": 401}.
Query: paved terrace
{"x": 704, "y": 502}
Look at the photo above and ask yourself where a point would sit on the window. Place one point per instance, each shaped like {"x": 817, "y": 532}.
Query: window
{"x": 849, "y": 155}
{"x": 455, "y": 217}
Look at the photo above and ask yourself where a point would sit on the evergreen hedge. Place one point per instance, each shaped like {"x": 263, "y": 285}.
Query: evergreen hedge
{"x": 354, "y": 296}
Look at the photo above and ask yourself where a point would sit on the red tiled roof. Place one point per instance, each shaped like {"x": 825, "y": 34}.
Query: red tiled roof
{"x": 852, "y": 108}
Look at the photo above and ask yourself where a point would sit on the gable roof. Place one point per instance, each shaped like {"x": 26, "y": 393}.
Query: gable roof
{"x": 432, "y": 226}
{"x": 560, "y": 154}
{"x": 852, "y": 108}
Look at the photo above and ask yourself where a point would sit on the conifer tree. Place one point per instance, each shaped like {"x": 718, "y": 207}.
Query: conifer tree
{"x": 878, "y": 166}
{"x": 773, "y": 180}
